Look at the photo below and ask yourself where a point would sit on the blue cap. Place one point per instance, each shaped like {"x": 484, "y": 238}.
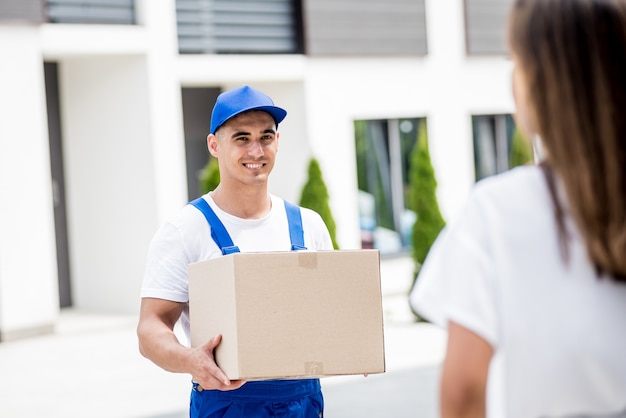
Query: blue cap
{"x": 233, "y": 102}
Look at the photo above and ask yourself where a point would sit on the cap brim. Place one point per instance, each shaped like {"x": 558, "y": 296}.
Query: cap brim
{"x": 276, "y": 112}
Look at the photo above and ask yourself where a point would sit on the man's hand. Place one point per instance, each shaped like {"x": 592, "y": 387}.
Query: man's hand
{"x": 205, "y": 371}
{"x": 158, "y": 342}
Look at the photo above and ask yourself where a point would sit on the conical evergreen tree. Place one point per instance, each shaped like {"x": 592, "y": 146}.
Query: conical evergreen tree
{"x": 209, "y": 177}
{"x": 423, "y": 199}
{"x": 315, "y": 196}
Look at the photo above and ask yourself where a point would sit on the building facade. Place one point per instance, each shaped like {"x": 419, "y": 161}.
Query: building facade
{"x": 105, "y": 106}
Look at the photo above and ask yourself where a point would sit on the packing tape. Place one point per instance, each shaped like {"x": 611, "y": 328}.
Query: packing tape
{"x": 313, "y": 368}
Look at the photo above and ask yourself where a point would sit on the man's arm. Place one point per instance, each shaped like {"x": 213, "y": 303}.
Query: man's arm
{"x": 464, "y": 376}
{"x": 158, "y": 343}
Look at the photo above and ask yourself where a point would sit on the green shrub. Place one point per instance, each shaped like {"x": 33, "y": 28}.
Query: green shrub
{"x": 315, "y": 196}
{"x": 521, "y": 150}
{"x": 209, "y": 177}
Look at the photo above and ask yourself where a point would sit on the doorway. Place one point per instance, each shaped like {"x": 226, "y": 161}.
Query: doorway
{"x": 58, "y": 181}
{"x": 197, "y": 107}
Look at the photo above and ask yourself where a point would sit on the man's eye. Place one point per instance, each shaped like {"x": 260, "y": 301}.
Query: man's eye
{"x": 241, "y": 138}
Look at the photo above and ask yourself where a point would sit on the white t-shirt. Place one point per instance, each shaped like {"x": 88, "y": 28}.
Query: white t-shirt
{"x": 558, "y": 331}
{"x": 186, "y": 238}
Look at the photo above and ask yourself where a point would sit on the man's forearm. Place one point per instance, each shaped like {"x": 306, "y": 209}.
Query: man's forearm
{"x": 163, "y": 348}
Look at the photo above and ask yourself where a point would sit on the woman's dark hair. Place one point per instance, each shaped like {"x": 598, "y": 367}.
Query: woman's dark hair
{"x": 573, "y": 56}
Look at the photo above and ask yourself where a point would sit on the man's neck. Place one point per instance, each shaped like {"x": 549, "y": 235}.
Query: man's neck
{"x": 245, "y": 203}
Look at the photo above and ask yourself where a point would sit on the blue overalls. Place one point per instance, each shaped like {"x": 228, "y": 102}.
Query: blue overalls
{"x": 300, "y": 398}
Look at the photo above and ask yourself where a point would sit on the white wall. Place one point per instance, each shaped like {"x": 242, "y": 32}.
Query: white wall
{"x": 28, "y": 270}
{"x": 461, "y": 87}
{"x": 165, "y": 106}
{"x": 110, "y": 182}
{"x": 123, "y": 148}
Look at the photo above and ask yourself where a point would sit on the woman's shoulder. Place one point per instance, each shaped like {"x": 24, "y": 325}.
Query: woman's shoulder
{"x": 519, "y": 187}
{"x": 520, "y": 193}
{"x": 519, "y": 180}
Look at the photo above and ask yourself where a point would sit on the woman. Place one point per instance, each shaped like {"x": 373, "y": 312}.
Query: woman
{"x": 530, "y": 280}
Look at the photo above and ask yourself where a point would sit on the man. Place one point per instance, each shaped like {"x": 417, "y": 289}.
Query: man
{"x": 244, "y": 138}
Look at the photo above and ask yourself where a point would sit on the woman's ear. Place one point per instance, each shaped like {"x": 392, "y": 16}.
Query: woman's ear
{"x": 211, "y": 142}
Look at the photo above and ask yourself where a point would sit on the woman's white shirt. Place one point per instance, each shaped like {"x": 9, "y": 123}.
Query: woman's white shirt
{"x": 557, "y": 330}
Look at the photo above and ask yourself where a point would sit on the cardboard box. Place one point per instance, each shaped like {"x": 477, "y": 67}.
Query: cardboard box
{"x": 290, "y": 314}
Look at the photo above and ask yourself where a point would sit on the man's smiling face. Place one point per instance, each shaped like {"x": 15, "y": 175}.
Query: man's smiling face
{"x": 246, "y": 147}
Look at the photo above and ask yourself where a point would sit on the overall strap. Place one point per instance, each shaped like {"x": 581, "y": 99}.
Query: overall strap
{"x": 218, "y": 232}
{"x": 296, "y": 232}
{"x": 223, "y": 240}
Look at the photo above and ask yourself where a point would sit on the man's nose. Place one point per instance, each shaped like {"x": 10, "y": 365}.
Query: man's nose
{"x": 256, "y": 149}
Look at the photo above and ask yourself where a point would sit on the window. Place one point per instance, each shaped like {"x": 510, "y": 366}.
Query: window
{"x": 485, "y": 26}
{"x": 30, "y": 11}
{"x": 365, "y": 28}
{"x": 493, "y": 140}
{"x": 239, "y": 26}
{"x": 383, "y": 150}
{"x": 92, "y": 11}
